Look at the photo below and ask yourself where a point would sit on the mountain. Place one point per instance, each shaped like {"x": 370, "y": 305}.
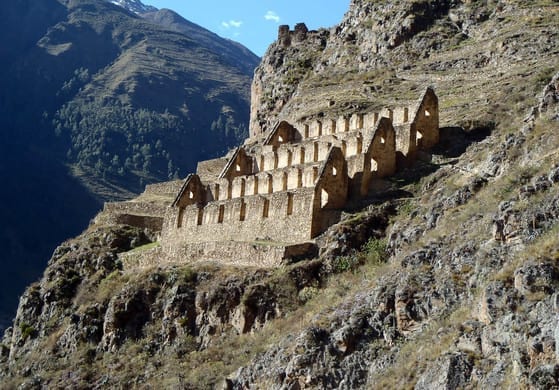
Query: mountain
{"x": 95, "y": 102}
{"x": 448, "y": 280}
{"x": 135, "y": 6}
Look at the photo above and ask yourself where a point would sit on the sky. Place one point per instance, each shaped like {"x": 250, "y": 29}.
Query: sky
{"x": 254, "y": 23}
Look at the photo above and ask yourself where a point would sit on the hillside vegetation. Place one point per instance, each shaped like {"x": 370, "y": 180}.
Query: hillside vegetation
{"x": 96, "y": 102}
{"x": 452, "y": 282}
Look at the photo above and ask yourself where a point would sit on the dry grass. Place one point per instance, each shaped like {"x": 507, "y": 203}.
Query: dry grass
{"x": 415, "y": 355}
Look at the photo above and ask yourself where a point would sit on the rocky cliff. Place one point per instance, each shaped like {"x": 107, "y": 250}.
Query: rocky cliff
{"x": 449, "y": 279}
{"x": 384, "y": 52}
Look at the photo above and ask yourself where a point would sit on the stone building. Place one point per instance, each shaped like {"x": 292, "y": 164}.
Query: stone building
{"x": 266, "y": 202}
{"x": 286, "y": 37}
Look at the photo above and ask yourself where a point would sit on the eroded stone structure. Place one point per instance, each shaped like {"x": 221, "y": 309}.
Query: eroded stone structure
{"x": 292, "y": 184}
{"x": 265, "y": 202}
{"x": 286, "y": 37}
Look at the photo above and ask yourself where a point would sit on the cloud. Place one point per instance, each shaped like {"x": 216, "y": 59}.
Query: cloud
{"x": 232, "y": 24}
{"x": 271, "y": 15}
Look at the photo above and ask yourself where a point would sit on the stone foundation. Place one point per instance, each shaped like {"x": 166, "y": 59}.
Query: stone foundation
{"x": 258, "y": 254}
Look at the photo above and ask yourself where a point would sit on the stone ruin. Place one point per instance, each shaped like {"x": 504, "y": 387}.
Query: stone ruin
{"x": 264, "y": 203}
{"x": 286, "y": 36}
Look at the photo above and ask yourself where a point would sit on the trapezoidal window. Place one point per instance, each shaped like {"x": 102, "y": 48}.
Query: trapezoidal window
{"x": 334, "y": 171}
{"x": 200, "y": 216}
{"x": 190, "y": 195}
{"x": 374, "y": 165}
{"x": 237, "y": 168}
{"x": 221, "y": 212}
{"x": 314, "y": 173}
{"x": 289, "y": 203}
{"x": 280, "y": 138}
{"x": 255, "y": 186}
{"x": 180, "y": 217}
{"x": 427, "y": 113}
{"x": 323, "y": 198}
{"x": 419, "y": 137}
{"x": 382, "y": 140}
{"x": 216, "y": 192}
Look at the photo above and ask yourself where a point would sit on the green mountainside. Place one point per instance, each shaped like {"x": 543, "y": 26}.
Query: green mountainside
{"x": 96, "y": 102}
{"x": 450, "y": 280}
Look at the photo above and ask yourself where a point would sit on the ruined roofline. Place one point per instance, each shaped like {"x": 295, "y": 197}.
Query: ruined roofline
{"x": 419, "y": 102}
{"x": 230, "y": 163}
{"x": 275, "y": 129}
{"x": 324, "y": 164}
{"x": 182, "y": 190}
{"x": 382, "y": 122}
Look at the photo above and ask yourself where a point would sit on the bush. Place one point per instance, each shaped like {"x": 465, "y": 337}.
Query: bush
{"x": 26, "y": 330}
{"x": 308, "y": 293}
{"x": 375, "y": 251}
{"x": 345, "y": 263}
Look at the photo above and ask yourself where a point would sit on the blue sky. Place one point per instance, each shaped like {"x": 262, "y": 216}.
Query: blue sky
{"x": 254, "y": 23}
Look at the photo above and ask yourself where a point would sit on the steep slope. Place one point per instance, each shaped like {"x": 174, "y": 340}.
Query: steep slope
{"x": 451, "y": 283}
{"x": 383, "y": 52}
{"x": 95, "y": 102}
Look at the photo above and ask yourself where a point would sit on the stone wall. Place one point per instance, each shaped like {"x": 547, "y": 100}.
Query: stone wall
{"x": 143, "y": 221}
{"x": 283, "y": 216}
{"x": 140, "y": 214}
{"x": 255, "y": 254}
{"x": 426, "y": 121}
{"x": 169, "y": 188}
{"x": 210, "y": 170}
{"x": 276, "y": 213}
{"x": 287, "y": 37}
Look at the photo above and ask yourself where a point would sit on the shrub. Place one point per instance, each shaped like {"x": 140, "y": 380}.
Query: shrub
{"x": 308, "y": 293}
{"x": 26, "y": 330}
{"x": 345, "y": 263}
{"x": 375, "y": 251}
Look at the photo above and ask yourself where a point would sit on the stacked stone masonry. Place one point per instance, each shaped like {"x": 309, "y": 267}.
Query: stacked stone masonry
{"x": 291, "y": 184}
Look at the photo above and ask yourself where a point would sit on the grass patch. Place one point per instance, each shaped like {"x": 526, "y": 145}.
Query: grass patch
{"x": 415, "y": 355}
{"x": 145, "y": 247}
{"x": 109, "y": 286}
{"x": 26, "y": 330}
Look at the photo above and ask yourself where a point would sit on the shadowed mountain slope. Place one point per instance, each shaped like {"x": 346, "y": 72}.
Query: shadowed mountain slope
{"x": 96, "y": 102}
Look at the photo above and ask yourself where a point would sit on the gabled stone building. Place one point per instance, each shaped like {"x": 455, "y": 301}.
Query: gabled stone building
{"x": 266, "y": 201}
